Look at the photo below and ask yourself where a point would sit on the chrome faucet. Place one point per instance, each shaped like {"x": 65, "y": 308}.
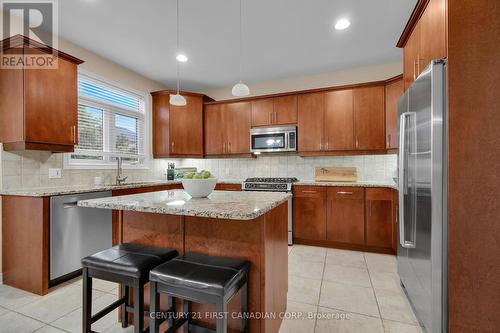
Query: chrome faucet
{"x": 119, "y": 177}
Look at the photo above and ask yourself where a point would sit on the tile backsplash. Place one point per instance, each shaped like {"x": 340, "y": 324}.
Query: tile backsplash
{"x": 30, "y": 168}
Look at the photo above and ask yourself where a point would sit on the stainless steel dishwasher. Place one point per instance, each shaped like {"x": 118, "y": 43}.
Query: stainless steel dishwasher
{"x": 76, "y": 232}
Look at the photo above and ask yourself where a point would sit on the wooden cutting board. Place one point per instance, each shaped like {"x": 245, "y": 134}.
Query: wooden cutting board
{"x": 335, "y": 174}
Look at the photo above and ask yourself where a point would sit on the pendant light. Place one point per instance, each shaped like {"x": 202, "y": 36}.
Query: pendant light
{"x": 177, "y": 99}
{"x": 240, "y": 89}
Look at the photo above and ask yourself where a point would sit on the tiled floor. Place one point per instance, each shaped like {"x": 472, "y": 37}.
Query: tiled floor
{"x": 330, "y": 290}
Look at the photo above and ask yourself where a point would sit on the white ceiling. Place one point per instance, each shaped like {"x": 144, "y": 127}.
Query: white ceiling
{"x": 281, "y": 38}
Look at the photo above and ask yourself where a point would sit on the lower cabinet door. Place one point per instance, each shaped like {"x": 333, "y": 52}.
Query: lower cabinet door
{"x": 346, "y": 217}
{"x": 379, "y": 218}
{"x": 379, "y": 223}
{"x": 309, "y": 220}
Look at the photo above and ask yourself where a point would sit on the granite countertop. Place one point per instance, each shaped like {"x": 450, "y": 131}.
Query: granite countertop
{"x": 220, "y": 204}
{"x": 388, "y": 184}
{"x": 75, "y": 189}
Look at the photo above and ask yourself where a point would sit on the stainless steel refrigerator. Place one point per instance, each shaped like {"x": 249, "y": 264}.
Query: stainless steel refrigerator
{"x": 422, "y": 183}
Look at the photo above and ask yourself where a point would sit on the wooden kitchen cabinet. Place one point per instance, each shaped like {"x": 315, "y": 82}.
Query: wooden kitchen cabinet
{"x": 379, "y": 217}
{"x": 177, "y": 130}
{"x": 274, "y": 111}
{"x": 311, "y": 122}
{"x": 369, "y": 117}
{"x": 285, "y": 110}
{"x": 426, "y": 40}
{"x": 228, "y": 187}
{"x": 339, "y": 120}
{"x": 227, "y": 128}
{"x": 38, "y": 107}
{"x": 309, "y": 213}
{"x": 345, "y": 215}
{"x": 393, "y": 92}
{"x": 214, "y": 131}
{"x": 262, "y": 111}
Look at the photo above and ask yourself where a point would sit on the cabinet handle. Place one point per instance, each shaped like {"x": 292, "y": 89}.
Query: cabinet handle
{"x": 229, "y": 147}
{"x": 344, "y": 193}
{"x": 309, "y": 191}
{"x": 275, "y": 117}
{"x": 327, "y": 144}
{"x": 357, "y": 142}
{"x": 173, "y": 146}
{"x": 73, "y": 133}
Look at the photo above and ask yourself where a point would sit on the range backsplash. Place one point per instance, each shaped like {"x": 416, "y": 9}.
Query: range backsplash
{"x": 30, "y": 168}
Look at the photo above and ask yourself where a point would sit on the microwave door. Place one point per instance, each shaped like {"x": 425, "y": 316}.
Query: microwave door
{"x": 269, "y": 142}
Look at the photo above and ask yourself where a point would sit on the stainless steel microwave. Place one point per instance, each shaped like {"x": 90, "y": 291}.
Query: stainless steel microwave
{"x": 273, "y": 139}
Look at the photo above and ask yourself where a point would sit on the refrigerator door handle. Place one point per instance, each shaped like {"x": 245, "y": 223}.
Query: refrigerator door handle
{"x": 403, "y": 182}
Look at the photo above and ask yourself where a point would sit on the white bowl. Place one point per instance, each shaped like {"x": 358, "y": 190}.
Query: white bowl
{"x": 199, "y": 188}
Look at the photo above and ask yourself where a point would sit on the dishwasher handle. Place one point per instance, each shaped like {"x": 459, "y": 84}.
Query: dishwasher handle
{"x": 73, "y": 204}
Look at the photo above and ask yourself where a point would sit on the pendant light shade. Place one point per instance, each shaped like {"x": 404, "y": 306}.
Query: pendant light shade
{"x": 177, "y": 100}
{"x": 240, "y": 89}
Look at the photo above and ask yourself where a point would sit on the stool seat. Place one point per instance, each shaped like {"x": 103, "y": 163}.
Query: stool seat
{"x": 131, "y": 260}
{"x": 207, "y": 274}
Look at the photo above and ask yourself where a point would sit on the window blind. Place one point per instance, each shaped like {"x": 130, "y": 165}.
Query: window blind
{"x": 111, "y": 122}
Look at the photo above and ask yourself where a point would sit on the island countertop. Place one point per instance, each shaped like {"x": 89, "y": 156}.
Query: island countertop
{"x": 230, "y": 205}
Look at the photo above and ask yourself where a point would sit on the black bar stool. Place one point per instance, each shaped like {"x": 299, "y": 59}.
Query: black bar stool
{"x": 129, "y": 265}
{"x": 201, "y": 279}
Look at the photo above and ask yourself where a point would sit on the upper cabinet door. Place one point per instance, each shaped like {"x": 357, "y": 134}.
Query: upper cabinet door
{"x": 411, "y": 55}
{"x": 262, "y": 111}
{"x": 285, "y": 110}
{"x": 50, "y": 104}
{"x": 161, "y": 116}
{"x": 215, "y": 129}
{"x": 310, "y": 122}
{"x": 369, "y": 118}
{"x": 393, "y": 92}
{"x": 339, "y": 120}
{"x": 238, "y": 122}
{"x": 432, "y": 32}
{"x": 186, "y": 127}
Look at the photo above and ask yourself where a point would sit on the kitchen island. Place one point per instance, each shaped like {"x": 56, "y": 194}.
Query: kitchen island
{"x": 240, "y": 225}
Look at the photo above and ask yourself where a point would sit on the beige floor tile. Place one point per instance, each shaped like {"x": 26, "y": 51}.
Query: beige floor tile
{"x": 290, "y": 249}
{"x": 117, "y": 328}
{"x": 311, "y": 253}
{"x": 3, "y": 310}
{"x": 348, "y": 298}
{"x": 346, "y": 322}
{"x": 349, "y": 275}
{"x": 57, "y": 303}
{"x": 385, "y": 281}
{"x": 396, "y": 327}
{"x": 49, "y": 329}
{"x": 72, "y": 322}
{"x": 98, "y": 284}
{"x": 381, "y": 262}
{"x": 395, "y": 306}
{"x": 12, "y": 298}
{"x": 299, "y": 318}
{"x": 303, "y": 290}
{"x": 345, "y": 258}
{"x": 306, "y": 269}
{"x": 15, "y": 322}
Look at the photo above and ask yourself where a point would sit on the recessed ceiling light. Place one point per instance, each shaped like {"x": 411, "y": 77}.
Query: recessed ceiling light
{"x": 342, "y": 24}
{"x": 181, "y": 57}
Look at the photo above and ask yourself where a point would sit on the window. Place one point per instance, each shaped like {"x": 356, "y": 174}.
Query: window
{"x": 111, "y": 124}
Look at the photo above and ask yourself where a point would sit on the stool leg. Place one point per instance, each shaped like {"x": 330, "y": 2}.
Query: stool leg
{"x": 125, "y": 294}
{"x": 171, "y": 310}
{"x": 187, "y": 311}
{"x": 154, "y": 308}
{"x": 87, "y": 301}
{"x": 138, "y": 307}
{"x": 244, "y": 306}
{"x": 221, "y": 323}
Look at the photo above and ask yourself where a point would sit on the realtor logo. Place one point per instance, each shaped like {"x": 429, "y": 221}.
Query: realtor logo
{"x": 36, "y": 20}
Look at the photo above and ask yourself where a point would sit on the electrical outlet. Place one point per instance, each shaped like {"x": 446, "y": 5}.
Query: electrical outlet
{"x": 55, "y": 173}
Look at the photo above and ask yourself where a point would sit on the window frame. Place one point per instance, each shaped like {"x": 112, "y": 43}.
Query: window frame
{"x": 107, "y": 163}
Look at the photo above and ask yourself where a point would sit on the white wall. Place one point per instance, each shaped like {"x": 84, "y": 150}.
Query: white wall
{"x": 338, "y": 78}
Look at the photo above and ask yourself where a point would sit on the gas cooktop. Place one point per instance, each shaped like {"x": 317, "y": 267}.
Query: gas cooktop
{"x": 269, "y": 184}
